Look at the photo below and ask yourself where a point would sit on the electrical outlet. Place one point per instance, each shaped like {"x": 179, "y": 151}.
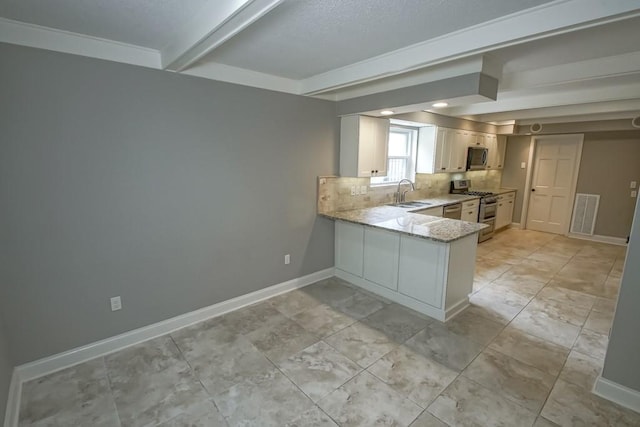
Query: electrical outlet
{"x": 116, "y": 303}
{"x": 523, "y": 165}
{"x": 287, "y": 259}
{"x": 633, "y": 184}
{"x": 363, "y": 189}
{"x": 357, "y": 190}
{"x": 353, "y": 190}
{"x": 634, "y": 193}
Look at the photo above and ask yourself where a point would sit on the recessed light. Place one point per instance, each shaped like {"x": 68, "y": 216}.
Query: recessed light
{"x": 386, "y": 112}
{"x": 440, "y": 104}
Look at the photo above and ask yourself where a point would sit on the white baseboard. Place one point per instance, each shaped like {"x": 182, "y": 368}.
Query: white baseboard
{"x": 13, "y": 401}
{"x": 598, "y": 238}
{"x": 48, "y": 365}
{"x": 617, "y": 393}
{"x": 515, "y": 225}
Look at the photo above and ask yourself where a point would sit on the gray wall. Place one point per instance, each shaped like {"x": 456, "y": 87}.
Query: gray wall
{"x": 6, "y": 369}
{"x": 172, "y": 191}
{"x": 610, "y": 161}
{"x": 512, "y": 176}
{"x": 621, "y": 363}
{"x": 607, "y": 167}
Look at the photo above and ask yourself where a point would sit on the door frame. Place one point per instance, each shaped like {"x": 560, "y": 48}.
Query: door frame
{"x": 574, "y": 179}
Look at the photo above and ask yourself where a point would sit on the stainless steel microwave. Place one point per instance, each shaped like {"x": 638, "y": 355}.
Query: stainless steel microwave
{"x": 477, "y": 158}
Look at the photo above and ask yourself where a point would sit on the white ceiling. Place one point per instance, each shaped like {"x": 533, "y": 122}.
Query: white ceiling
{"x": 553, "y": 58}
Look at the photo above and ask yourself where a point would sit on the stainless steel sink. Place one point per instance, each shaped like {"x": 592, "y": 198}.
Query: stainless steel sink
{"x": 409, "y": 205}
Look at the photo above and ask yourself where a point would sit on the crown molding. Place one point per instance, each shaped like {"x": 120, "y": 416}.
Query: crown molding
{"x": 20, "y": 33}
{"x": 543, "y": 21}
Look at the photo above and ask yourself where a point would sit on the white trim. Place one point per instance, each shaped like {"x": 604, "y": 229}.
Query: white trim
{"x": 47, "y": 365}
{"x": 212, "y": 27}
{"x": 13, "y": 401}
{"x": 527, "y": 183}
{"x": 599, "y": 238}
{"x": 31, "y": 35}
{"x": 515, "y": 225}
{"x": 553, "y": 18}
{"x": 617, "y": 393}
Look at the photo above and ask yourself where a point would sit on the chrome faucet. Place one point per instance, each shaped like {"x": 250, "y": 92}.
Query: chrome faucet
{"x": 401, "y": 197}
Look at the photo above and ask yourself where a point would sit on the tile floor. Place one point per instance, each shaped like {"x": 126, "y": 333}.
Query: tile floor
{"x": 526, "y": 352}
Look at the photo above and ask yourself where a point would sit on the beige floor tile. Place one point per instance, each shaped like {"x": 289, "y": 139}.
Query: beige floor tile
{"x": 575, "y": 315}
{"x": 544, "y": 326}
{"x": 526, "y": 272}
{"x": 581, "y": 370}
{"x": 281, "y": 340}
{"x": 530, "y": 349}
{"x": 527, "y": 288}
{"x": 510, "y": 378}
{"x": 367, "y": 401}
{"x": 496, "y": 304}
{"x": 543, "y": 422}
{"x": 605, "y": 305}
{"x": 323, "y": 320}
{"x": 475, "y": 327}
{"x": 556, "y": 292}
{"x": 398, "y": 323}
{"x": 572, "y": 405}
{"x": 427, "y": 420}
{"x": 592, "y": 344}
{"x": 466, "y": 403}
{"x": 412, "y": 375}
{"x": 599, "y": 322}
{"x": 361, "y": 343}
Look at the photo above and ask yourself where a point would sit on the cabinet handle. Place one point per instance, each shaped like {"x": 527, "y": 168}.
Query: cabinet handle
{"x": 511, "y": 201}
{"x": 470, "y": 212}
{"x": 372, "y": 172}
{"x": 442, "y": 169}
{"x": 459, "y": 167}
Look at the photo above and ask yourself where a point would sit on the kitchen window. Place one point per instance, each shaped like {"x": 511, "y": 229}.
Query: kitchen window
{"x": 401, "y": 157}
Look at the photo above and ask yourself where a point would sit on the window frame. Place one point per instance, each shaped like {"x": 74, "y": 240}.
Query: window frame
{"x": 410, "y": 173}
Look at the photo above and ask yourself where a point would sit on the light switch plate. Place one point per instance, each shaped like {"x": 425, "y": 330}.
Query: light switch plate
{"x": 523, "y": 165}
{"x": 633, "y": 184}
{"x": 353, "y": 190}
{"x": 634, "y": 193}
{"x": 363, "y": 189}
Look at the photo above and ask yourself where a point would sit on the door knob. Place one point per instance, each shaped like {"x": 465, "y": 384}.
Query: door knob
{"x": 533, "y": 189}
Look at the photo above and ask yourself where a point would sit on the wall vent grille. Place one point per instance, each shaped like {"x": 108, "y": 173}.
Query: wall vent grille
{"x": 585, "y": 212}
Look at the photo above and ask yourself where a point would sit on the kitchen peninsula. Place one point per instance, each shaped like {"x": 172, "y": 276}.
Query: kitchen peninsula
{"x": 423, "y": 262}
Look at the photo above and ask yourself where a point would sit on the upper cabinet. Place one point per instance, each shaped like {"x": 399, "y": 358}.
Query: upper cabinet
{"x": 443, "y": 150}
{"x": 364, "y": 143}
{"x": 440, "y": 150}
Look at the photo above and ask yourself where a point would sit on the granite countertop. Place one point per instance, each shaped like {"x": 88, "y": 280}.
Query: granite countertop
{"x": 496, "y": 190}
{"x": 402, "y": 220}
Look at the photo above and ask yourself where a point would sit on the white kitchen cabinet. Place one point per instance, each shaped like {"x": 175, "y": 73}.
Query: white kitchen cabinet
{"x": 434, "y": 278}
{"x": 364, "y": 143}
{"x": 381, "y": 251}
{"x": 470, "y": 210}
{"x": 504, "y": 211}
{"x": 349, "y": 247}
{"x": 460, "y": 142}
{"x": 422, "y": 269}
{"x": 501, "y": 149}
{"x": 490, "y": 143}
{"x": 441, "y": 150}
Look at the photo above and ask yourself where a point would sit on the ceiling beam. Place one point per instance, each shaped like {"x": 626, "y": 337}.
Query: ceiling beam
{"x": 550, "y": 19}
{"x": 213, "y": 26}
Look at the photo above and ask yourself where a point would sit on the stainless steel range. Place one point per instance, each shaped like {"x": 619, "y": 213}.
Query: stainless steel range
{"x": 488, "y": 206}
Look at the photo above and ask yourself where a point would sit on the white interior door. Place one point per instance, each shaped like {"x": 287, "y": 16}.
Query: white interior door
{"x": 555, "y": 171}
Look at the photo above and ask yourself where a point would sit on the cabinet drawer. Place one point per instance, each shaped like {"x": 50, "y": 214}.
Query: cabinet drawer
{"x": 470, "y": 204}
{"x": 509, "y": 196}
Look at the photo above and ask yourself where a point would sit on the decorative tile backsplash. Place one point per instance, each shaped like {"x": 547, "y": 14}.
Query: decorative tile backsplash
{"x": 334, "y": 192}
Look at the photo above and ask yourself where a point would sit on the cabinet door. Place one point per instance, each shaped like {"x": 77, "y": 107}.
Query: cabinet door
{"x": 349, "y": 247}
{"x": 426, "y": 153}
{"x": 481, "y": 139}
{"x": 490, "y": 143}
{"x": 381, "y": 150}
{"x": 459, "y": 144}
{"x": 501, "y": 148}
{"x": 443, "y": 150}
{"x": 373, "y": 144}
{"x": 504, "y": 211}
{"x": 422, "y": 270}
{"x": 381, "y": 251}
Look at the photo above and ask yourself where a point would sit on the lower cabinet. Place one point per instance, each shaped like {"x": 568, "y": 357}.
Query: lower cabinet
{"x": 381, "y": 252}
{"x": 504, "y": 211}
{"x": 349, "y": 247}
{"x": 431, "y": 277}
{"x": 470, "y": 210}
{"x": 422, "y": 270}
